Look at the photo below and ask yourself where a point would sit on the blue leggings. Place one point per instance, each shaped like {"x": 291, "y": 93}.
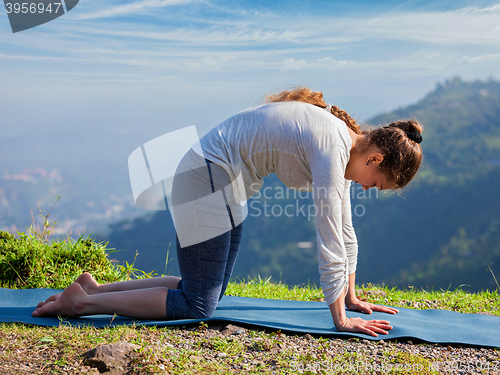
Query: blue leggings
{"x": 205, "y": 267}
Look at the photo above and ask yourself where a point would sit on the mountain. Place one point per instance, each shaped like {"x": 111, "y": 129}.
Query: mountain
{"x": 461, "y": 129}
{"x": 442, "y": 231}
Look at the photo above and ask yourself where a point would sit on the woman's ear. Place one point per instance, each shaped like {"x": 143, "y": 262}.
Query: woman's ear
{"x": 376, "y": 157}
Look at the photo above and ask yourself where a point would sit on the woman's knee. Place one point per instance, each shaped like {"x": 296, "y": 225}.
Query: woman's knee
{"x": 182, "y": 305}
{"x": 204, "y": 313}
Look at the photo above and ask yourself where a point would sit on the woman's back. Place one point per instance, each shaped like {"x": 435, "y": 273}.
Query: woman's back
{"x": 283, "y": 138}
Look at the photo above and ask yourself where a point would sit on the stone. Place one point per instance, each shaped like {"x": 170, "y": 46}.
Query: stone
{"x": 211, "y": 334}
{"x": 111, "y": 358}
{"x": 230, "y": 330}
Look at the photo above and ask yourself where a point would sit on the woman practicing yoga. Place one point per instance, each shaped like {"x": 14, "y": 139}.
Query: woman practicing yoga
{"x": 310, "y": 146}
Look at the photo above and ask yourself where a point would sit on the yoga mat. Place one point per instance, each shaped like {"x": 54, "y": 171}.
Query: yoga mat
{"x": 433, "y": 326}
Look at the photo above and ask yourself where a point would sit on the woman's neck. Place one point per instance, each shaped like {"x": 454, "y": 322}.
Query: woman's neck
{"x": 357, "y": 141}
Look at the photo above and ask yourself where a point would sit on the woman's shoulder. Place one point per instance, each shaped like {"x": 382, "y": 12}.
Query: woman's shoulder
{"x": 292, "y": 111}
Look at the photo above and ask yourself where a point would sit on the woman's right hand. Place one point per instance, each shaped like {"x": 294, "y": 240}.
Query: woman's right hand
{"x": 369, "y": 327}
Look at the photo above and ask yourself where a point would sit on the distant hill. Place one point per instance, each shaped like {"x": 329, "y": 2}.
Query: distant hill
{"x": 443, "y": 232}
{"x": 461, "y": 129}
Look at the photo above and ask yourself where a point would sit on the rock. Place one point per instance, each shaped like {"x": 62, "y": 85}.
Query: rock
{"x": 221, "y": 355}
{"x": 230, "y": 330}
{"x": 307, "y": 336}
{"x": 211, "y": 334}
{"x": 112, "y": 358}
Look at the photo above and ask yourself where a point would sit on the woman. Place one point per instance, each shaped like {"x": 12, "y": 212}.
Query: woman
{"x": 309, "y": 145}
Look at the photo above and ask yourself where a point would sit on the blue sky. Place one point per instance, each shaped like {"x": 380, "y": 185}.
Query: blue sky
{"x": 164, "y": 64}
{"x": 80, "y": 93}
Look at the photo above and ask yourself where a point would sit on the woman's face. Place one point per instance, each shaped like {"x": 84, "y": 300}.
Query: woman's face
{"x": 371, "y": 177}
{"x": 368, "y": 176}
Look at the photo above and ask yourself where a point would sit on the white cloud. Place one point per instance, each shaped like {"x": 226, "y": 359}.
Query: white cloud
{"x": 330, "y": 63}
{"x": 191, "y": 42}
{"x": 467, "y": 25}
{"x": 488, "y": 57}
{"x": 37, "y": 58}
{"x": 262, "y": 32}
{"x": 131, "y": 8}
{"x": 291, "y": 63}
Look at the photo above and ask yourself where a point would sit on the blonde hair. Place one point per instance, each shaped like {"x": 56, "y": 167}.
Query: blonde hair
{"x": 306, "y": 95}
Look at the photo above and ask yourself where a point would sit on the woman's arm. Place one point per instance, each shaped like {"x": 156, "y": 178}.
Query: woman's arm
{"x": 350, "y": 298}
{"x": 353, "y": 303}
{"x": 329, "y": 187}
{"x": 351, "y": 246}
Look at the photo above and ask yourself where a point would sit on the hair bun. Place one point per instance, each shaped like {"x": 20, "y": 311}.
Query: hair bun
{"x": 411, "y": 128}
{"x": 414, "y": 135}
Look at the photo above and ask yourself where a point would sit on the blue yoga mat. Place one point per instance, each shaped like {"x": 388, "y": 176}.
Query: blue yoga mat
{"x": 434, "y": 326}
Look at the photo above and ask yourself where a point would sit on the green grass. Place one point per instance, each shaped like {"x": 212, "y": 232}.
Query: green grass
{"x": 454, "y": 300}
{"x": 30, "y": 260}
{"x": 26, "y": 262}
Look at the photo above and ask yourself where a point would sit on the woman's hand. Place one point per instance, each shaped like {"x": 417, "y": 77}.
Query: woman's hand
{"x": 368, "y": 308}
{"x": 369, "y": 327}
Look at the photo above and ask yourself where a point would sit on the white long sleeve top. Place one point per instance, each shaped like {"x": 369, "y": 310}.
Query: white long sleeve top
{"x": 308, "y": 148}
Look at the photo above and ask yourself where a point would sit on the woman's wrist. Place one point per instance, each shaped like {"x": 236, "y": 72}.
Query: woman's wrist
{"x": 350, "y": 298}
{"x": 337, "y": 309}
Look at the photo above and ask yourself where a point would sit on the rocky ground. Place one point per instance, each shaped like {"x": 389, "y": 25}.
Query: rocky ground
{"x": 232, "y": 349}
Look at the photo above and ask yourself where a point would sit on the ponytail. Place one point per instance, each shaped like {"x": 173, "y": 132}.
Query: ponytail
{"x": 306, "y": 95}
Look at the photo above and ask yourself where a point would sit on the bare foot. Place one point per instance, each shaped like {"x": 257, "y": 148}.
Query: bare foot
{"x": 69, "y": 303}
{"x": 51, "y": 298}
{"x": 88, "y": 283}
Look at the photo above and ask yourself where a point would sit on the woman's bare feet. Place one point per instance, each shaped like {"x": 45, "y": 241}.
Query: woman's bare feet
{"x": 69, "y": 303}
{"x": 88, "y": 283}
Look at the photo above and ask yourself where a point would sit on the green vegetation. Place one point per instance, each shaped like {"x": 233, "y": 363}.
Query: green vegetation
{"x": 31, "y": 261}
{"x": 25, "y": 262}
{"x": 461, "y": 129}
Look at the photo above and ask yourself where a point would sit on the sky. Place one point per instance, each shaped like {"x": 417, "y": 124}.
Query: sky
{"x": 108, "y": 76}
{"x": 159, "y": 65}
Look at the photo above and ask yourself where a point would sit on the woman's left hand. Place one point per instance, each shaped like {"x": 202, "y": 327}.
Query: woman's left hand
{"x": 368, "y": 308}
